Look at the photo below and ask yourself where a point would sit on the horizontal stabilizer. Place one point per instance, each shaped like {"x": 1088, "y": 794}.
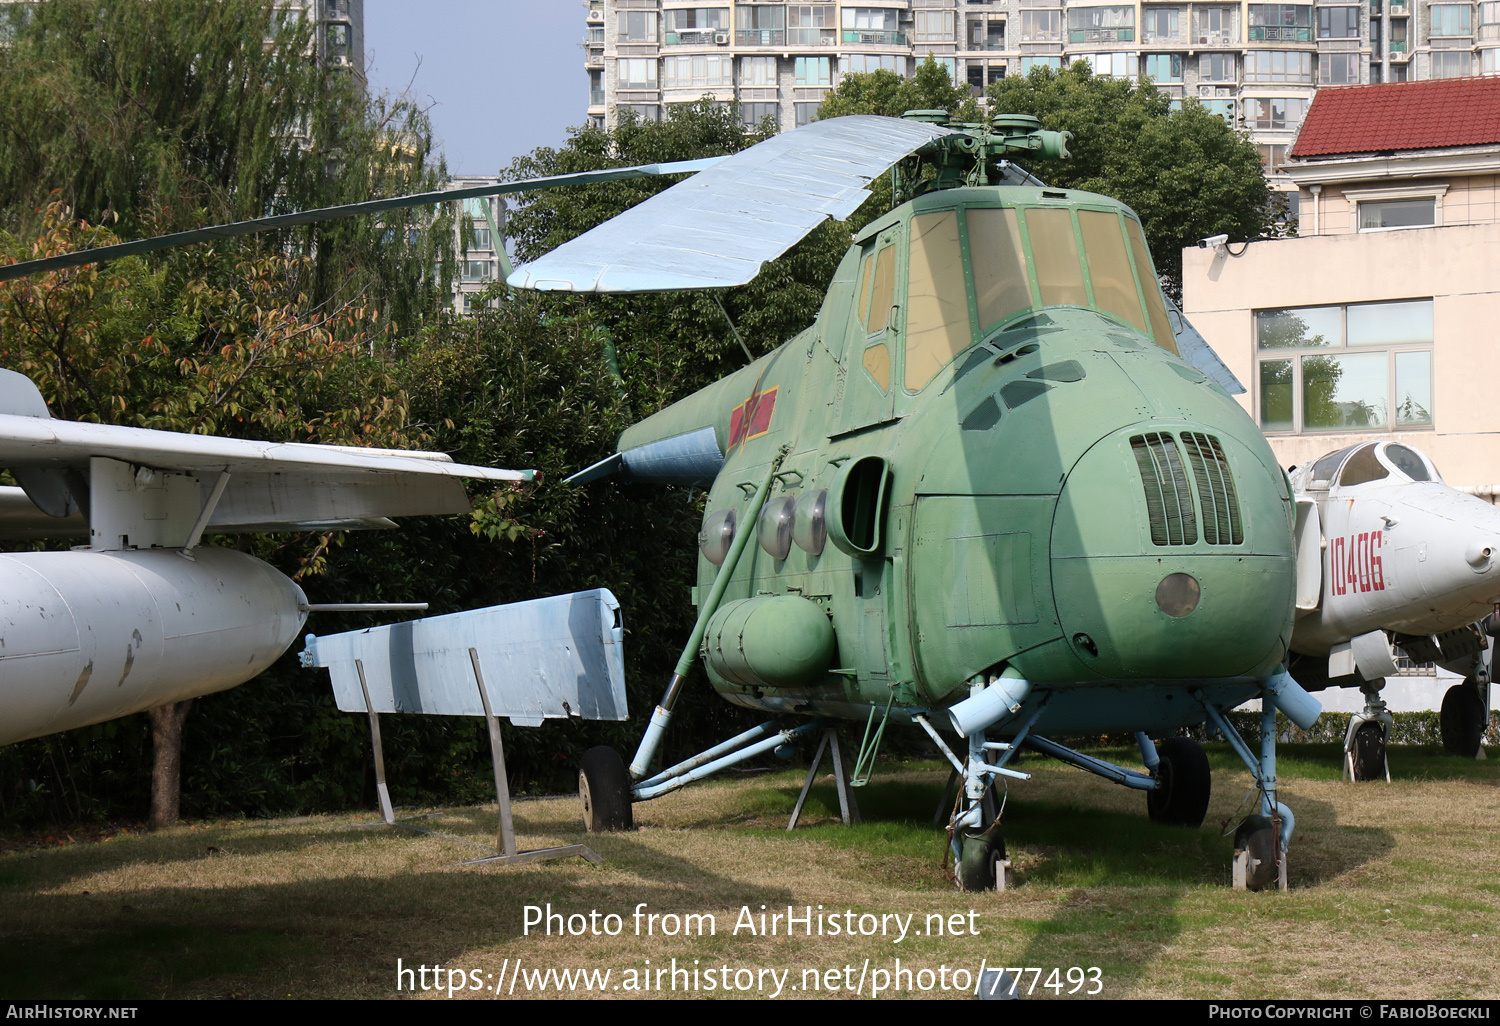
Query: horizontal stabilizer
{"x": 716, "y": 229}
{"x": 549, "y": 658}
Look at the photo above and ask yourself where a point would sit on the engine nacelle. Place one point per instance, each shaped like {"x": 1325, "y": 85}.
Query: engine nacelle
{"x": 89, "y": 636}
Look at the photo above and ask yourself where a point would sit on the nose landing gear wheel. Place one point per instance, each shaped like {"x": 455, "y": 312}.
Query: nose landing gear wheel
{"x": 1367, "y": 758}
{"x": 1462, "y": 720}
{"x": 1255, "y": 842}
{"x": 982, "y": 863}
{"x": 604, "y": 788}
{"x": 1183, "y": 784}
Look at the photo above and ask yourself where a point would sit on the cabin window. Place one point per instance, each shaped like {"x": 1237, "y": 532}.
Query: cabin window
{"x": 866, "y": 272}
{"x": 1001, "y": 286}
{"x": 882, "y": 289}
{"x": 1054, "y": 252}
{"x": 1109, "y": 267}
{"x": 937, "y": 299}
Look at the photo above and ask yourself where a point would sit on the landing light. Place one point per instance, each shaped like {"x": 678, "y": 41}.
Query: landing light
{"x": 1177, "y": 595}
{"x": 717, "y": 533}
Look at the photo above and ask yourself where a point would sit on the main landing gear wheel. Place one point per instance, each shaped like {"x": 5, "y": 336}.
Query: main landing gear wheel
{"x": 1183, "y": 784}
{"x": 1368, "y": 754}
{"x": 981, "y": 854}
{"x": 604, "y": 788}
{"x": 1462, "y": 720}
{"x": 1256, "y": 836}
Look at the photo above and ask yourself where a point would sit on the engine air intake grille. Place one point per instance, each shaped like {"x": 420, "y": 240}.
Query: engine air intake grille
{"x": 1221, "y": 506}
{"x": 1169, "y": 501}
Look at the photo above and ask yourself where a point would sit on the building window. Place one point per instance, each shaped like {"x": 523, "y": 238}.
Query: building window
{"x": 986, "y": 35}
{"x": 1452, "y": 63}
{"x": 1286, "y": 23}
{"x": 1216, "y": 67}
{"x": 637, "y": 26}
{"x": 1489, "y": 21}
{"x": 811, "y": 24}
{"x": 872, "y": 26}
{"x": 1164, "y": 67}
{"x": 478, "y": 270}
{"x": 754, "y": 113}
{"x": 1489, "y": 62}
{"x": 934, "y": 26}
{"x": 1361, "y": 367}
{"x": 814, "y": 71}
{"x": 864, "y": 63}
{"x": 1450, "y": 19}
{"x": 1113, "y": 65}
{"x": 763, "y": 25}
{"x": 1041, "y": 26}
{"x": 1162, "y": 24}
{"x": 758, "y": 71}
{"x": 1338, "y": 23}
{"x": 644, "y": 111}
{"x": 706, "y": 70}
{"x": 1028, "y": 63}
{"x": 696, "y": 26}
{"x": 1216, "y": 25}
{"x": 636, "y": 72}
{"x": 1397, "y": 208}
{"x": 807, "y": 113}
{"x": 1223, "y": 108}
{"x": 1338, "y": 69}
{"x": 1278, "y": 66}
{"x": 1275, "y": 112}
{"x": 1101, "y": 24}
{"x": 1272, "y": 157}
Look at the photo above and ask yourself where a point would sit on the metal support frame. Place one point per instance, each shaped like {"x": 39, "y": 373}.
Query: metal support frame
{"x": 506, "y": 832}
{"x": 869, "y": 745}
{"x": 1098, "y": 767}
{"x": 386, "y": 812}
{"x": 848, "y": 808}
{"x": 710, "y": 762}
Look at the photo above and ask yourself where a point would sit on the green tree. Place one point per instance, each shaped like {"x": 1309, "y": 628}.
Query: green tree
{"x": 157, "y": 117}
{"x": 1186, "y": 173}
{"x": 885, "y": 92}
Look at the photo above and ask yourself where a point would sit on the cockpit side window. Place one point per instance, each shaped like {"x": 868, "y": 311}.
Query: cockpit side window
{"x": 1324, "y": 469}
{"x": 866, "y": 274}
{"x": 1109, "y": 267}
{"x": 1362, "y": 466}
{"x": 1156, "y": 309}
{"x": 937, "y": 298}
{"x": 1408, "y": 462}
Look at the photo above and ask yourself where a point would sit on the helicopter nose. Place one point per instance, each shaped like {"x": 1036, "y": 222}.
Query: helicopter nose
{"x": 1172, "y": 558}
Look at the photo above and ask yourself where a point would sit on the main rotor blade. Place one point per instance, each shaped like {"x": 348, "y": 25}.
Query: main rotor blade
{"x": 265, "y": 224}
{"x": 716, "y": 230}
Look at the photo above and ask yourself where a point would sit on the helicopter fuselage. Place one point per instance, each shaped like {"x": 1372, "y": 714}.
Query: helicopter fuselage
{"x": 993, "y": 461}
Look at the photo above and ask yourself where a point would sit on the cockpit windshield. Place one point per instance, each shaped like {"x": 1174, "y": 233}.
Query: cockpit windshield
{"x": 1079, "y": 257}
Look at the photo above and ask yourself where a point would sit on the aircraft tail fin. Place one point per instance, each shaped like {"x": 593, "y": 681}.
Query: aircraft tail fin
{"x": 20, "y": 396}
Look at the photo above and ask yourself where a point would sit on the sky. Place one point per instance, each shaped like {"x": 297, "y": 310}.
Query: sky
{"x": 500, "y": 77}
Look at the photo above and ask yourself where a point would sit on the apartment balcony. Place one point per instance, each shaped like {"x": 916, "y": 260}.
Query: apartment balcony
{"x": 812, "y": 36}
{"x": 1376, "y": 7}
{"x": 596, "y": 16}
{"x": 760, "y": 37}
{"x": 596, "y": 97}
{"x": 697, "y": 37}
{"x": 1156, "y": 39}
{"x": 1101, "y": 35}
{"x": 870, "y": 37}
{"x": 1399, "y": 9}
{"x": 1281, "y": 33}
{"x": 1398, "y": 52}
{"x": 593, "y": 59}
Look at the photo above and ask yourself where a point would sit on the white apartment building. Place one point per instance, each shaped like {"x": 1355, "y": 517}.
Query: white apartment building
{"x": 1256, "y": 64}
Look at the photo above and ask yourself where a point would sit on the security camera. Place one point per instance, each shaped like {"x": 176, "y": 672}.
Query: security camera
{"x": 1213, "y": 242}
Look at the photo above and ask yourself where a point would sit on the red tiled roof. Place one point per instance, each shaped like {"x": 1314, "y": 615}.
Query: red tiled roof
{"x": 1401, "y": 116}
